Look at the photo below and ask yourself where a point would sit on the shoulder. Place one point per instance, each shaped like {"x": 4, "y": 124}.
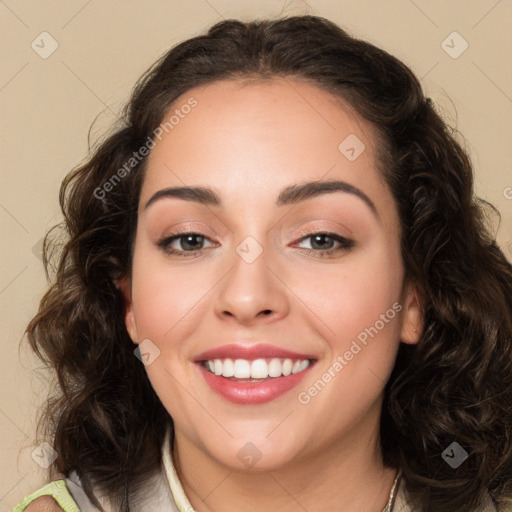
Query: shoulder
{"x": 44, "y": 504}
{"x": 54, "y": 496}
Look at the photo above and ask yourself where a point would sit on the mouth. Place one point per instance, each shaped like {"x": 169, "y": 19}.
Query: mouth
{"x": 256, "y": 370}
{"x": 252, "y": 375}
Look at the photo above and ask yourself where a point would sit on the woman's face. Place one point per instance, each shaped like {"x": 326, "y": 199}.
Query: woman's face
{"x": 287, "y": 275}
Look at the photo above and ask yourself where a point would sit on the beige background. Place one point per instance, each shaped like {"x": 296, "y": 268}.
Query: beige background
{"x": 47, "y": 106}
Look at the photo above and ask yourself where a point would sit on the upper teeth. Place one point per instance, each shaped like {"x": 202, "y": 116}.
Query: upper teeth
{"x": 257, "y": 369}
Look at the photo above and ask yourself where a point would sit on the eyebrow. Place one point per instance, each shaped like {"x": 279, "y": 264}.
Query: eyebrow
{"x": 290, "y": 195}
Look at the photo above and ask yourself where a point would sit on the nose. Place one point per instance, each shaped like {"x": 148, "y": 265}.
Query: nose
{"x": 252, "y": 292}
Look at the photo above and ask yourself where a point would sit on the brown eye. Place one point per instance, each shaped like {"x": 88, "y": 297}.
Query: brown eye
{"x": 322, "y": 243}
{"x": 188, "y": 242}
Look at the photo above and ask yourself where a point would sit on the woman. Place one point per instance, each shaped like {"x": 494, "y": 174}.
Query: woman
{"x": 278, "y": 292}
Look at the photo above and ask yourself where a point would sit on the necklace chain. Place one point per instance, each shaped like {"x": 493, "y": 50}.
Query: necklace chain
{"x": 391, "y": 501}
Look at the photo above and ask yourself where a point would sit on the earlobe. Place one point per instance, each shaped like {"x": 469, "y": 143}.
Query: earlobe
{"x": 124, "y": 285}
{"x": 412, "y": 319}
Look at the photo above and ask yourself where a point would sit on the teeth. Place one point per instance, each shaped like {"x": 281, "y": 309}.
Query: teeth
{"x": 288, "y": 367}
{"x": 242, "y": 369}
{"x": 228, "y": 368}
{"x": 275, "y": 368}
{"x": 217, "y": 367}
{"x": 257, "y": 369}
{"x": 303, "y": 365}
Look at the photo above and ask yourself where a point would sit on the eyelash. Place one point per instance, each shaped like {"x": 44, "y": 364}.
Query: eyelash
{"x": 346, "y": 244}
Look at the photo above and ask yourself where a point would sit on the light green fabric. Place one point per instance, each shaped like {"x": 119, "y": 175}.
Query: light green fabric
{"x": 56, "y": 490}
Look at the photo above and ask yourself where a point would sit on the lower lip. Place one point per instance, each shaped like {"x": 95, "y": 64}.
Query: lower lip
{"x": 252, "y": 393}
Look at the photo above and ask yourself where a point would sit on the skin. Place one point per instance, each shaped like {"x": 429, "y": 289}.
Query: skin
{"x": 247, "y": 143}
{"x": 44, "y": 504}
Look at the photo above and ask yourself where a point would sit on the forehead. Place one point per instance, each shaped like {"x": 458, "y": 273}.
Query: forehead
{"x": 259, "y": 136}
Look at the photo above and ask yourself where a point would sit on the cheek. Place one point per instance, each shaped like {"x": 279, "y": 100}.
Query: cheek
{"x": 165, "y": 299}
{"x": 166, "y": 302}
{"x": 352, "y": 296}
{"x": 361, "y": 326}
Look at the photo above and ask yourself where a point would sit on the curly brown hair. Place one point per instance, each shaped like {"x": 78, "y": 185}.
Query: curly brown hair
{"x": 456, "y": 384}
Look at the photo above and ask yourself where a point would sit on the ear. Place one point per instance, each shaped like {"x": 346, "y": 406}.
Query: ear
{"x": 124, "y": 285}
{"x": 412, "y": 317}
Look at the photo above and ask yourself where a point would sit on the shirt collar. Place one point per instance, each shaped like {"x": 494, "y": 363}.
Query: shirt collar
{"x": 177, "y": 491}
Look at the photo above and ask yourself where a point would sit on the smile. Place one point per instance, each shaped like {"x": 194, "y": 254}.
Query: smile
{"x": 252, "y": 374}
{"x": 257, "y": 369}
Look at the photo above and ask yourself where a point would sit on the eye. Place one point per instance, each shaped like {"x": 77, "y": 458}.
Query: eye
{"x": 323, "y": 248}
{"x": 191, "y": 244}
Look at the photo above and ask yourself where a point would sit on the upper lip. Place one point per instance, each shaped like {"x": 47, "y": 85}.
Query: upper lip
{"x": 259, "y": 351}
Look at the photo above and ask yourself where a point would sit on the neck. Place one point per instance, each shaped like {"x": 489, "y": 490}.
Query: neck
{"x": 347, "y": 475}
